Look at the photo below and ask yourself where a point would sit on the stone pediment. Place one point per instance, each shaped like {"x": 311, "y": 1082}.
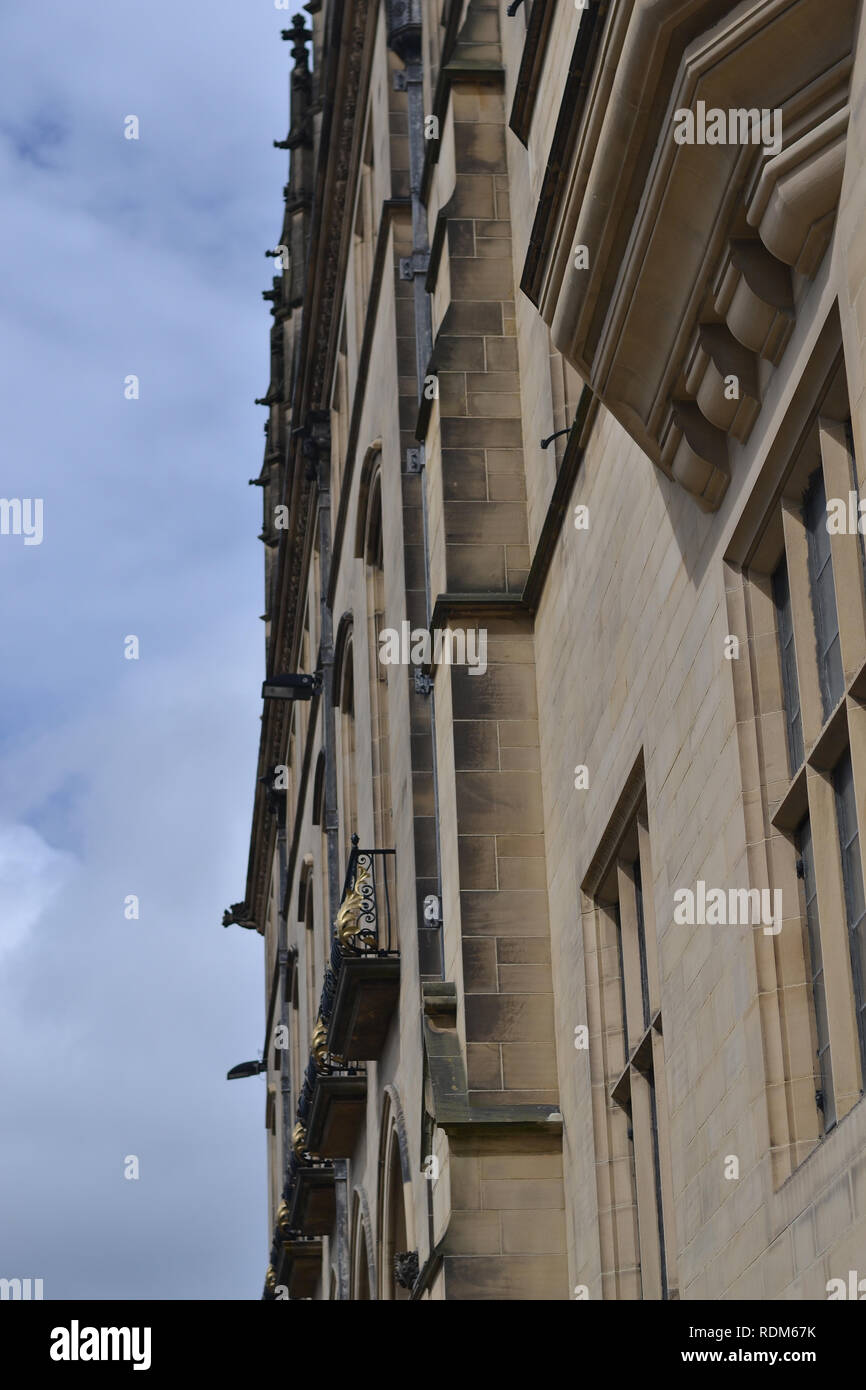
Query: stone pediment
{"x": 697, "y": 254}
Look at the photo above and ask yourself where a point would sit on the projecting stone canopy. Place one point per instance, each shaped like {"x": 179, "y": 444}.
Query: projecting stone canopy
{"x": 694, "y": 255}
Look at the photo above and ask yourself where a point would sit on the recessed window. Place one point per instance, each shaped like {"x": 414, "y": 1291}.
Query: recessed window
{"x": 824, "y": 611}
{"x": 627, "y": 1058}
{"x": 790, "y": 687}
{"x": 852, "y": 878}
{"x": 826, "y": 1098}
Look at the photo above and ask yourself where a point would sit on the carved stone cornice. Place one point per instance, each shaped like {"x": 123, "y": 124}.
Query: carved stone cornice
{"x": 693, "y": 251}
{"x": 343, "y": 156}
{"x": 344, "y": 54}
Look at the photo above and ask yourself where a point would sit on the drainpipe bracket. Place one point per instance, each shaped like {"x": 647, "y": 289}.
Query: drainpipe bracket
{"x": 416, "y": 264}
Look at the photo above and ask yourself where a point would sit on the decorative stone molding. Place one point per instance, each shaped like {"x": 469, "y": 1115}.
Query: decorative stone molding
{"x": 794, "y": 204}
{"x": 697, "y": 454}
{"x": 697, "y": 253}
{"x": 719, "y": 357}
{"x": 753, "y": 294}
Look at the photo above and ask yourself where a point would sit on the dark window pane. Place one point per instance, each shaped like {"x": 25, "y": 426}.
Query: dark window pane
{"x": 641, "y": 942}
{"x": 852, "y": 878}
{"x": 797, "y": 737}
{"x": 790, "y": 687}
{"x": 657, "y": 1175}
{"x": 621, "y": 982}
{"x": 855, "y": 487}
{"x": 830, "y": 674}
{"x": 816, "y": 971}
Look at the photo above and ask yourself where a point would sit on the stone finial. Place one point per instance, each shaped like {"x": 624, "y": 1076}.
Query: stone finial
{"x": 298, "y": 35}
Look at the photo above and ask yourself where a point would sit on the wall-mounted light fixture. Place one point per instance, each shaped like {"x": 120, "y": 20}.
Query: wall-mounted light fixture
{"x": 297, "y": 686}
{"x": 246, "y": 1069}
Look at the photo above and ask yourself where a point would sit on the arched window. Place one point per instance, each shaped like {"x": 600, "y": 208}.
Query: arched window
{"x": 348, "y": 772}
{"x": 376, "y": 621}
{"x": 295, "y": 1042}
{"x": 396, "y": 1227}
{"x": 365, "y": 236}
{"x": 363, "y": 1273}
{"x": 307, "y": 915}
{"x": 320, "y": 820}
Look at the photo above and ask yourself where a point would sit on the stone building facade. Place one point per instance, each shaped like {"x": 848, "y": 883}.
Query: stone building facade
{"x": 563, "y": 911}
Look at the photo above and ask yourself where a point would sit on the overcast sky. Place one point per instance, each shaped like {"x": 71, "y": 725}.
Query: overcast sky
{"x": 122, "y": 777}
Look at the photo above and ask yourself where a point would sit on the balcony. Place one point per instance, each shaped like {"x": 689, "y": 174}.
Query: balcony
{"x": 359, "y": 995}
{"x": 362, "y": 983}
{"x": 309, "y": 1187}
{"x": 309, "y": 1195}
{"x": 301, "y": 1265}
{"x": 333, "y": 1099}
{"x": 337, "y": 1113}
{"x": 297, "y": 1259}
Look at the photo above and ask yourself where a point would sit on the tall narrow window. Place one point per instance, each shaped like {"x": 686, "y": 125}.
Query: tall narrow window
{"x": 339, "y": 418}
{"x": 790, "y": 686}
{"x": 617, "y": 916}
{"x": 641, "y": 941}
{"x": 830, "y": 673}
{"x": 295, "y": 1042}
{"x": 804, "y": 692}
{"x": 635, "y": 1091}
{"x": 855, "y": 488}
{"x": 375, "y": 574}
{"x": 310, "y": 956}
{"x": 633, "y": 1065}
{"x": 365, "y": 234}
{"x": 320, "y": 819}
{"x": 852, "y": 878}
{"x": 395, "y": 1240}
{"x": 827, "y": 1102}
{"x": 349, "y": 807}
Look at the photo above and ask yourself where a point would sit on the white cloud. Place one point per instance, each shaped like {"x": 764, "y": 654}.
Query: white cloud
{"x": 31, "y": 876}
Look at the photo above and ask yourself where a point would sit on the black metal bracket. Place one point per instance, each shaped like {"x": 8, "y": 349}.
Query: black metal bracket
{"x": 545, "y": 443}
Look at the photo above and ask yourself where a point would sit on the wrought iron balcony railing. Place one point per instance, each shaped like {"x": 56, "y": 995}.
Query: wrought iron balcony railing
{"x": 334, "y": 1087}
{"x": 363, "y": 925}
{"x": 363, "y": 928}
{"x": 362, "y": 978}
